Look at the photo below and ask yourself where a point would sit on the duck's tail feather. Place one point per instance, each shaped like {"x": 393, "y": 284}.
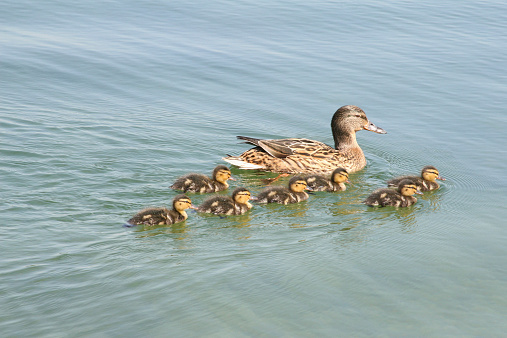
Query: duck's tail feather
{"x": 254, "y": 141}
{"x": 237, "y": 161}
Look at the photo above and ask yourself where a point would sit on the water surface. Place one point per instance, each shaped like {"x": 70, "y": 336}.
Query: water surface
{"x": 104, "y": 105}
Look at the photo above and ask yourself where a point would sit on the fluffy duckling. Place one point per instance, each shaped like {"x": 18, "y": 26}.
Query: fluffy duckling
{"x": 402, "y": 197}
{"x": 293, "y": 194}
{"x": 161, "y": 216}
{"x": 426, "y": 182}
{"x": 203, "y": 184}
{"x": 237, "y": 204}
{"x": 334, "y": 183}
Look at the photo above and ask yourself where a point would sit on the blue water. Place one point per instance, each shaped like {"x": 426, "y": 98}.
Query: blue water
{"x": 104, "y": 104}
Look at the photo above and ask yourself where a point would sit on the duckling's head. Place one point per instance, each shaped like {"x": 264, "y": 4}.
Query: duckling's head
{"x": 221, "y": 174}
{"x": 430, "y": 173}
{"x": 352, "y": 118}
{"x": 298, "y": 184}
{"x": 408, "y": 188}
{"x": 181, "y": 203}
{"x": 241, "y": 195}
{"x": 340, "y": 175}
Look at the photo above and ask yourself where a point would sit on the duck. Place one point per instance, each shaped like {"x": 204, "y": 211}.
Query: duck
{"x": 278, "y": 194}
{"x": 426, "y": 182}
{"x": 336, "y": 182}
{"x": 402, "y": 197}
{"x": 162, "y": 215}
{"x": 203, "y": 184}
{"x": 300, "y": 155}
{"x": 236, "y": 204}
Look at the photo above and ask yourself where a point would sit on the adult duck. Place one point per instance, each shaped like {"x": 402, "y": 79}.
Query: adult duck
{"x": 299, "y": 155}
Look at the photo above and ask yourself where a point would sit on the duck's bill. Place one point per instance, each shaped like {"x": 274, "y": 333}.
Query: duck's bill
{"x": 371, "y": 127}
{"x": 418, "y": 192}
{"x": 193, "y": 207}
{"x": 232, "y": 178}
{"x": 440, "y": 178}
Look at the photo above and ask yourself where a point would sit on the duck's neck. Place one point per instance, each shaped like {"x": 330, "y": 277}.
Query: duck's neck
{"x": 182, "y": 213}
{"x": 344, "y": 139}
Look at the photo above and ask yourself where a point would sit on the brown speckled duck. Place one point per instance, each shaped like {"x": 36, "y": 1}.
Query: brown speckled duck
{"x": 202, "y": 183}
{"x": 402, "y": 197}
{"x": 334, "y": 183}
{"x": 237, "y": 204}
{"x": 298, "y": 155}
{"x": 293, "y": 194}
{"x": 161, "y": 216}
{"x": 426, "y": 182}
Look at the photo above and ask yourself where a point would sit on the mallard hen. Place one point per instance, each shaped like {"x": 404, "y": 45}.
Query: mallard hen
{"x": 299, "y": 155}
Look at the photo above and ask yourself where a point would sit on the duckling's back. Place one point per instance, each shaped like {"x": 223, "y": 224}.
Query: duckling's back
{"x": 319, "y": 183}
{"x": 388, "y": 197}
{"x": 218, "y": 205}
{"x": 195, "y": 183}
{"x": 155, "y": 216}
{"x": 421, "y": 184}
{"x": 280, "y": 195}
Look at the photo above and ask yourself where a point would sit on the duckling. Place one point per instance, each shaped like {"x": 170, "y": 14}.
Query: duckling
{"x": 397, "y": 198}
{"x": 424, "y": 183}
{"x": 294, "y": 194}
{"x": 335, "y": 183}
{"x": 299, "y": 155}
{"x": 161, "y": 216}
{"x": 203, "y": 184}
{"x": 237, "y": 204}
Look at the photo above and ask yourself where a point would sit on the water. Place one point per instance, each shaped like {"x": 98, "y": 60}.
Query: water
{"x": 104, "y": 104}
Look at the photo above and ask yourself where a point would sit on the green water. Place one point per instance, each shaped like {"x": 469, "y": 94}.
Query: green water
{"x": 104, "y": 105}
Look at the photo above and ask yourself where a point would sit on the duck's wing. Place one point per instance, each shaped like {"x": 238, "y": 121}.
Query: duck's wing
{"x": 282, "y": 148}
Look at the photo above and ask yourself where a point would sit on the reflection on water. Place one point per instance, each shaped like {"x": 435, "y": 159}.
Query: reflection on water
{"x": 179, "y": 229}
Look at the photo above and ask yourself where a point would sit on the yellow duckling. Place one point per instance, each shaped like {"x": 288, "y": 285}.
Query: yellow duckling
{"x": 297, "y": 155}
{"x": 397, "y": 198}
{"x": 203, "y": 184}
{"x": 426, "y": 182}
{"x": 237, "y": 204}
{"x": 336, "y": 182}
{"x": 161, "y": 216}
{"x": 294, "y": 194}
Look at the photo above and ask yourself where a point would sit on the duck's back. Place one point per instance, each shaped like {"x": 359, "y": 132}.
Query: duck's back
{"x": 422, "y": 185}
{"x": 276, "y": 195}
{"x": 218, "y": 205}
{"x": 389, "y": 197}
{"x": 195, "y": 183}
{"x": 156, "y": 216}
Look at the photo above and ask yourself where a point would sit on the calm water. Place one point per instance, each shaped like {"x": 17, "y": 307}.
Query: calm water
{"x": 104, "y": 104}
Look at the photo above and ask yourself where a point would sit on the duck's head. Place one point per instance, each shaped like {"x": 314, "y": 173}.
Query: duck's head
{"x": 182, "y": 203}
{"x": 221, "y": 174}
{"x": 340, "y": 175}
{"x": 241, "y": 195}
{"x": 298, "y": 184}
{"x": 430, "y": 173}
{"x": 408, "y": 188}
{"x": 352, "y": 118}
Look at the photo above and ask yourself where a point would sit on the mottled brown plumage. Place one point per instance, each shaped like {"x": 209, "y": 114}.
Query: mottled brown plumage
{"x": 203, "y": 184}
{"x": 161, "y": 216}
{"x": 336, "y": 182}
{"x": 237, "y": 204}
{"x": 297, "y": 155}
{"x": 402, "y": 197}
{"x": 425, "y": 182}
{"x": 293, "y": 194}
